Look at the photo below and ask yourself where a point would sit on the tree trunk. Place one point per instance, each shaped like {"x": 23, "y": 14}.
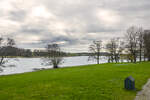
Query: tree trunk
{"x": 1, "y": 61}
{"x": 55, "y": 66}
{"x": 148, "y": 57}
{"x": 112, "y": 59}
{"x": 98, "y": 60}
{"x": 144, "y": 56}
{"x": 134, "y": 58}
{"x": 98, "y": 57}
{"x": 140, "y": 54}
{"x": 109, "y": 59}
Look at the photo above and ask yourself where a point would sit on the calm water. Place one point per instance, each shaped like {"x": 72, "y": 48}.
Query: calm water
{"x": 21, "y": 65}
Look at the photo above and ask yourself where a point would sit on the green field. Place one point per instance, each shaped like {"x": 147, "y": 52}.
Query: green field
{"x": 90, "y": 82}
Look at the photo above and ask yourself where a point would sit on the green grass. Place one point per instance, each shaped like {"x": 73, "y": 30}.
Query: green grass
{"x": 90, "y": 82}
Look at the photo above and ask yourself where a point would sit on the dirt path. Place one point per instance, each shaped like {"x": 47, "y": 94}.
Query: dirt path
{"x": 144, "y": 94}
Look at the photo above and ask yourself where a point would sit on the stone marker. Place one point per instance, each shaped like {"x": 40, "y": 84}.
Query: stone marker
{"x": 129, "y": 83}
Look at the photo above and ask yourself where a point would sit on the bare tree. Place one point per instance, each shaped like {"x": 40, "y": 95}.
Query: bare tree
{"x": 141, "y": 42}
{"x": 95, "y": 50}
{"x": 1, "y": 51}
{"x": 147, "y": 43}
{"x": 115, "y": 48}
{"x": 132, "y": 42}
{"x": 4, "y": 49}
{"x": 111, "y": 48}
{"x": 55, "y": 55}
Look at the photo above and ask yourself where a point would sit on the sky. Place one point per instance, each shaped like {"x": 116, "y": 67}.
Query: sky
{"x": 73, "y": 24}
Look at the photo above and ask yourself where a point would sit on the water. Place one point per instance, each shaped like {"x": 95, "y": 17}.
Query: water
{"x": 21, "y": 65}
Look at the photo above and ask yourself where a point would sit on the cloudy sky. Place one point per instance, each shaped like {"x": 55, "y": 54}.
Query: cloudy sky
{"x": 72, "y": 23}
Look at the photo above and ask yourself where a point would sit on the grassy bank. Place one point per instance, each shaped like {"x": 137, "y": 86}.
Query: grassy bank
{"x": 91, "y": 82}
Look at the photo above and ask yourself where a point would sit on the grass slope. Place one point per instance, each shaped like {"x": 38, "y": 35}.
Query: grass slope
{"x": 90, "y": 82}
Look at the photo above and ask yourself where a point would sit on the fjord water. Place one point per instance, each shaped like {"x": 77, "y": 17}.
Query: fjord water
{"x": 21, "y": 65}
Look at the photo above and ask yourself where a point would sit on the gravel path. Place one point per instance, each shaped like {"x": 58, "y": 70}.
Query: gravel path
{"x": 144, "y": 94}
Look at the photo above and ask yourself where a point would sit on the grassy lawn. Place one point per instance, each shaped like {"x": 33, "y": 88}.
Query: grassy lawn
{"x": 90, "y": 82}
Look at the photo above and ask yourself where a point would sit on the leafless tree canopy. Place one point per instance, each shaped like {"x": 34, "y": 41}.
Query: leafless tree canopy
{"x": 147, "y": 44}
{"x": 132, "y": 42}
{"x": 95, "y": 49}
{"x": 10, "y": 42}
{"x": 115, "y": 48}
{"x": 135, "y": 43}
{"x": 140, "y": 37}
{"x": 4, "y": 50}
{"x": 55, "y": 55}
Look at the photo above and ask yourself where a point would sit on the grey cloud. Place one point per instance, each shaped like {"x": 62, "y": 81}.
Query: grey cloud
{"x": 18, "y": 15}
{"x": 68, "y": 40}
{"x": 31, "y": 30}
{"x": 74, "y": 22}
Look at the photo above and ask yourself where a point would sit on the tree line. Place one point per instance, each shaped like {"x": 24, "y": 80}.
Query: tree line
{"x": 135, "y": 45}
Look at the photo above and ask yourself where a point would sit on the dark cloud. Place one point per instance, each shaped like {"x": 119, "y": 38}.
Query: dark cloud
{"x": 67, "y": 40}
